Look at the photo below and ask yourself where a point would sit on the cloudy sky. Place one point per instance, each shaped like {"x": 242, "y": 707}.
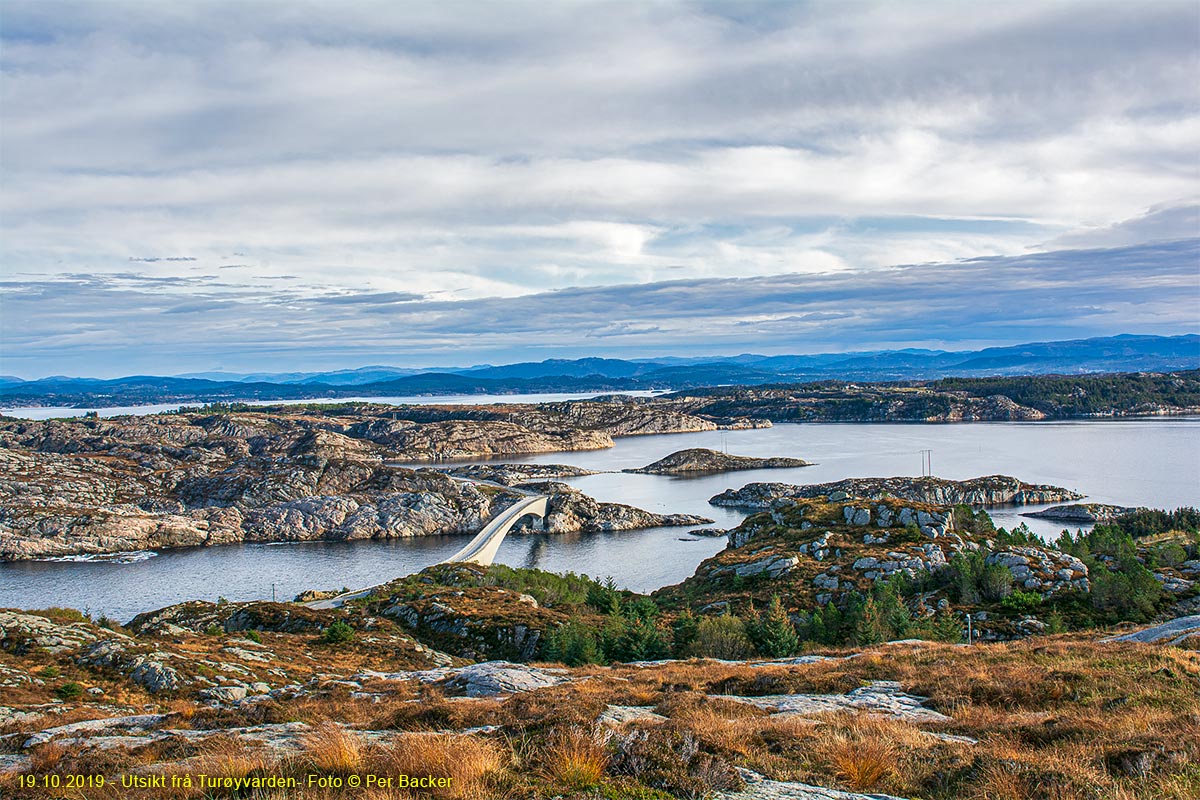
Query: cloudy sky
{"x": 270, "y": 185}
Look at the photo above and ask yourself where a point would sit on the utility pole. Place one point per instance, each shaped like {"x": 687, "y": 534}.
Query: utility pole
{"x": 926, "y": 463}
{"x": 970, "y": 632}
{"x": 272, "y": 593}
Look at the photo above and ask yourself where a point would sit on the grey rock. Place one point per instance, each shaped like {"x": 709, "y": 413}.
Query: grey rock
{"x": 132, "y": 724}
{"x": 616, "y": 716}
{"x": 760, "y": 788}
{"x": 225, "y": 694}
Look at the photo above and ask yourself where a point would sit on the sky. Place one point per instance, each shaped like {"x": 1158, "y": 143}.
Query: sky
{"x": 252, "y": 186}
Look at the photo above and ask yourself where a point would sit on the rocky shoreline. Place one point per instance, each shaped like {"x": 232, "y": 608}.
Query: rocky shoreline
{"x": 89, "y": 486}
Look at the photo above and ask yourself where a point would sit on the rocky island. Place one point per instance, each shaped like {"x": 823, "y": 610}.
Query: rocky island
{"x": 992, "y": 490}
{"x": 701, "y": 460}
{"x": 1081, "y": 513}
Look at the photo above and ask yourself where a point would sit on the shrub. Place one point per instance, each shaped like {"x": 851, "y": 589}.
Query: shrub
{"x": 722, "y": 637}
{"x": 1021, "y": 602}
{"x": 572, "y": 644}
{"x": 49, "y": 672}
{"x": 214, "y": 630}
{"x": 684, "y": 633}
{"x": 672, "y": 761}
{"x": 254, "y": 636}
{"x": 575, "y": 759}
{"x": 69, "y": 691}
{"x": 337, "y": 633}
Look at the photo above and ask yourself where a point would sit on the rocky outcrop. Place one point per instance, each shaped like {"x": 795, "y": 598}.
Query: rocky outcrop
{"x": 1173, "y": 632}
{"x": 571, "y": 511}
{"x": 878, "y": 697}
{"x": 1081, "y": 513}
{"x": 87, "y": 487}
{"x": 1042, "y": 570}
{"x": 852, "y": 402}
{"x": 992, "y": 490}
{"x": 702, "y": 460}
{"x": 517, "y": 474}
{"x": 466, "y": 438}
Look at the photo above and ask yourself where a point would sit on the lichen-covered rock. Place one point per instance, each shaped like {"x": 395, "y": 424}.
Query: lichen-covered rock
{"x": 492, "y": 678}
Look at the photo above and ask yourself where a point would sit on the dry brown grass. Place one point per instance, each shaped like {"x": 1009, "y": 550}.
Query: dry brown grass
{"x": 471, "y": 762}
{"x": 230, "y": 758}
{"x": 332, "y": 749}
{"x": 860, "y": 760}
{"x": 574, "y": 759}
{"x": 46, "y": 757}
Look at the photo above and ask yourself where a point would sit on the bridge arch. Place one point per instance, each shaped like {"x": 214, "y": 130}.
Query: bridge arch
{"x": 483, "y": 548}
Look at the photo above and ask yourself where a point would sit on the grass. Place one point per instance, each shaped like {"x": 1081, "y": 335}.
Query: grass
{"x": 334, "y": 750}
{"x": 1061, "y": 717}
{"x": 575, "y": 759}
{"x": 860, "y": 760}
{"x": 471, "y": 763}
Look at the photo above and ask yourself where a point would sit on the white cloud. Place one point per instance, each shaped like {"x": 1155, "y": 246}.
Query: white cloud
{"x": 499, "y": 149}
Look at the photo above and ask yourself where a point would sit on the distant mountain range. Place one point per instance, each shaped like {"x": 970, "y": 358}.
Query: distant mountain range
{"x": 1124, "y": 353}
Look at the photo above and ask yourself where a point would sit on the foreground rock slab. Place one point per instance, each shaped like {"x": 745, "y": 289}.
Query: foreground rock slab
{"x": 1174, "y": 632}
{"x": 760, "y": 788}
{"x": 486, "y": 679}
{"x": 879, "y": 697}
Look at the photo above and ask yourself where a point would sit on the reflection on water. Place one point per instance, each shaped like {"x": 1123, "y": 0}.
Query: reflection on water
{"x": 1146, "y": 462}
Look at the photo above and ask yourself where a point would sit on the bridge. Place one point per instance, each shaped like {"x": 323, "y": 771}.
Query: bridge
{"x": 482, "y": 549}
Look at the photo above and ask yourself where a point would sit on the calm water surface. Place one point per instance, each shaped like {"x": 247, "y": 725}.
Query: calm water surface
{"x": 1145, "y": 462}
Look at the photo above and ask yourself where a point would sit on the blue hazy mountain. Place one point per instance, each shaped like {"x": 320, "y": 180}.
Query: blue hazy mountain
{"x": 1124, "y": 353}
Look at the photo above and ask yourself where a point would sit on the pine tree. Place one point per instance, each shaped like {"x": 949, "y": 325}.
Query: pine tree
{"x": 779, "y": 638}
{"x": 684, "y": 633}
{"x": 946, "y": 627}
{"x": 870, "y": 627}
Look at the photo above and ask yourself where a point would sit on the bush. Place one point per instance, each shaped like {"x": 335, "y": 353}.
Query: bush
{"x": 722, "y": 637}
{"x": 214, "y": 630}
{"x": 254, "y": 636}
{"x": 69, "y": 691}
{"x": 572, "y": 644}
{"x": 337, "y": 633}
{"x": 1021, "y": 602}
{"x": 49, "y": 672}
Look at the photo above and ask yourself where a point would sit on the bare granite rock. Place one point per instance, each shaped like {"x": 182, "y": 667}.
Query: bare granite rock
{"x": 993, "y": 490}
{"x": 701, "y": 460}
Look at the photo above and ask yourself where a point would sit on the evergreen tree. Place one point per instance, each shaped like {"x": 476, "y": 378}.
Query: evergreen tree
{"x": 778, "y": 636}
{"x": 869, "y": 627}
{"x": 684, "y": 633}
